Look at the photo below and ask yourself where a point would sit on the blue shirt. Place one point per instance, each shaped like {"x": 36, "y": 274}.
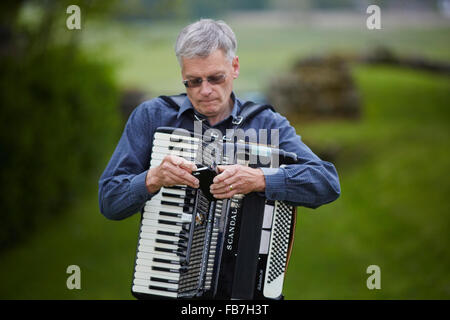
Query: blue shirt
{"x": 122, "y": 190}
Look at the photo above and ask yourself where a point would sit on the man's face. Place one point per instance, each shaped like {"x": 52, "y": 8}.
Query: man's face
{"x": 211, "y": 100}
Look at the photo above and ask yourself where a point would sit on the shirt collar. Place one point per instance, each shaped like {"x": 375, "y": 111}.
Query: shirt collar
{"x": 187, "y": 105}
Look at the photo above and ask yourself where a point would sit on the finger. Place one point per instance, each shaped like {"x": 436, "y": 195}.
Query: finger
{"x": 221, "y": 168}
{"x": 187, "y": 178}
{"x": 189, "y": 166}
{"x": 225, "y": 189}
{"x": 184, "y": 178}
{"x": 174, "y": 160}
{"x": 169, "y": 180}
{"x": 176, "y": 163}
{"x": 185, "y": 174}
{"x": 227, "y": 172}
{"x": 224, "y": 186}
{"x": 224, "y": 195}
{"x": 182, "y": 163}
{"x": 180, "y": 175}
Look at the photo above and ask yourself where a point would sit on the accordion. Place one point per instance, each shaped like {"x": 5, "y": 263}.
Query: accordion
{"x": 193, "y": 246}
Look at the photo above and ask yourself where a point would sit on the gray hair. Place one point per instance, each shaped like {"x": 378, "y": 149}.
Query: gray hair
{"x": 201, "y": 38}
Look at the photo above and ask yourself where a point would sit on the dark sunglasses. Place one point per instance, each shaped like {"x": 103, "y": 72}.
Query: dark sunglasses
{"x": 197, "y": 82}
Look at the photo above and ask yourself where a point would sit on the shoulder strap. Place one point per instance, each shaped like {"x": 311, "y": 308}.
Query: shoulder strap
{"x": 174, "y": 101}
{"x": 249, "y": 110}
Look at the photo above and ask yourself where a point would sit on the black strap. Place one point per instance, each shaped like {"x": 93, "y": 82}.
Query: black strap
{"x": 174, "y": 101}
{"x": 249, "y": 110}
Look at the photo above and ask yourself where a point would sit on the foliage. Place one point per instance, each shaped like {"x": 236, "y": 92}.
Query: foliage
{"x": 57, "y": 109}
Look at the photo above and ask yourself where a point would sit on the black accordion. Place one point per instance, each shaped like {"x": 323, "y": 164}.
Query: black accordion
{"x": 193, "y": 246}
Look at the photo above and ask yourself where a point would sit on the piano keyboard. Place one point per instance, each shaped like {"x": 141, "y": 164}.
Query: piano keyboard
{"x": 161, "y": 266}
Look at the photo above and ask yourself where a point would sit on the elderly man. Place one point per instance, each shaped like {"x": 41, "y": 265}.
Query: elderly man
{"x": 206, "y": 51}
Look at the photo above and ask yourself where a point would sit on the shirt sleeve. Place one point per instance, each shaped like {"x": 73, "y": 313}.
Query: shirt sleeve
{"x": 310, "y": 183}
{"x": 122, "y": 189}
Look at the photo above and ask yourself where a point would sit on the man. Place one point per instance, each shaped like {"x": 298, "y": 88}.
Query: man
{"x": 206, "y": 53}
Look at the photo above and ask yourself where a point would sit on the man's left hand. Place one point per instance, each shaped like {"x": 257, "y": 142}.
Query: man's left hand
{"x": 234, "y": 179}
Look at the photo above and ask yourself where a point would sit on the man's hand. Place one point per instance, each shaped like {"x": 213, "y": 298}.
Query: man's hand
{"x": 236, "y": 179}
{"x": 173, "y": 170}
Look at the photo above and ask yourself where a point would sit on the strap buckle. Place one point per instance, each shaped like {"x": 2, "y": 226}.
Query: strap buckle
{"x": 238, "y": 120}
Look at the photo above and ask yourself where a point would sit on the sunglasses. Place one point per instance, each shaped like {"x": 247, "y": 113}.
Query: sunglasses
{"x": 197, "y": 82}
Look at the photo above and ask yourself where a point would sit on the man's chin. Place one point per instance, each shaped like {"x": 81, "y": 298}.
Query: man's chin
{"x": 209, "y": 107}
{"x": 209, "y": 104}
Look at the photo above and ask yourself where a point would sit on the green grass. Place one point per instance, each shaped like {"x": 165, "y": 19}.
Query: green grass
{"x": 394, "y": 207}
{"x": 104, "y": 250}
{"x": 392, "y": 164}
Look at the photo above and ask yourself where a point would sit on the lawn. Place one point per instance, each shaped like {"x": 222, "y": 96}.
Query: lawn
{"x": 394, "y": 207}
{"x": 392, "y": 164}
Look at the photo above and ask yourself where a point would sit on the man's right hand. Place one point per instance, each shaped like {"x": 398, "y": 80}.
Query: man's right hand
{"x": 173, "y": 170}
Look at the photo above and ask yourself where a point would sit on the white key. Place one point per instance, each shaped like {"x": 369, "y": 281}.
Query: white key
{"x": 162, "y": 207}
{"x": 147, "y": 283}
{"x": 157, "y": 215}
{"x": 154, "y": 253}
{"x": 155, "y": 235}
{"x": 158, "y": 157}
{"x": 162, "y": 226}
{"x": 160, "y": 196}
{"x": 168, "y": 144}
{"x": 143, "y": 289}
{"x": 149, "y": 262}
{"x": 147, "y": 268}
{"x": 172, "y": 136}
{"x": 161, "y": 152}
{"x": 165, "y": 222}
{"x": 154, "y": 230}
{"x": 151, "y": 256}
{"x": 154, "y": 248}
{"x": 174, "y": 191}
{"x": 174, "y": 150}
{"x": 146, "y": 273}
{"x": 152, "y": 243}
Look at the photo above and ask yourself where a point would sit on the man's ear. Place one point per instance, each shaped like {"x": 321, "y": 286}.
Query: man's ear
{"x": 235, "y": 66}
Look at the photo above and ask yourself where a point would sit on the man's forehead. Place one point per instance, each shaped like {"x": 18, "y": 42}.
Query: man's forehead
{"x": 203, "y": 74}
{"x": 213, "y": 64}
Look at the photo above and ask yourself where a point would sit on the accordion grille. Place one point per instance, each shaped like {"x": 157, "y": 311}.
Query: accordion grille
{"x": 280, "y": 241}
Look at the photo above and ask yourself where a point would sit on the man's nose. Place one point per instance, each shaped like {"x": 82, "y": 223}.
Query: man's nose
{"x": 205, "y": 88}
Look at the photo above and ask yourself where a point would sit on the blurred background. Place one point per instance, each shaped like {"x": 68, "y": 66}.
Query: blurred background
{"x": 375, "y": 102}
